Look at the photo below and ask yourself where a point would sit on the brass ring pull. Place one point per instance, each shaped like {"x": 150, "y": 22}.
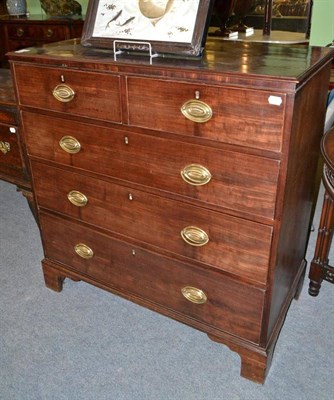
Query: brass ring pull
{"x": 70, "y": 144}
{"x": 197, "y": 111}
{"x": 4, "y": 147}
{"x": 49, "y": 33}
{"x": 83, "y": 251}
{"x": 196, "y": 175}
{"x": 194, "y": 295}
{"x": 78, "y": 199}
{"x": 19, "y": 32}
{"x": 194, "y": 236}
{"x": 63, "y": 93}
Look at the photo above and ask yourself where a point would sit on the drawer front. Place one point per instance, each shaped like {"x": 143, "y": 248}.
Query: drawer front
{"x": 226, "y": 179}
{"x": 37, "y": 32}
{"x": 78, "y": 93}
{"x": 229, "y": 306}
{"x": 10, "y": 156}
{"x": 239, "y": 116}
{"x": 237, "y": 246}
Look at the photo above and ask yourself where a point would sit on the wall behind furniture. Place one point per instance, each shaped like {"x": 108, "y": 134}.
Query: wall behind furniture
{"x": 322, "y": 28}
{"x": 34, "y": 6}
{"x": 322, "y": 31}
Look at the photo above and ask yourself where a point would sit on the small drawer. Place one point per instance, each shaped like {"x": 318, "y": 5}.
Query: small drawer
{"x": 234, "y": 245}
{"x": 251, "y": 118}
{"x": 94, "y": 95}
{"x": 10, "y": 156}
{"x": 192, "y": 293}
{"x": 231, "y": 180}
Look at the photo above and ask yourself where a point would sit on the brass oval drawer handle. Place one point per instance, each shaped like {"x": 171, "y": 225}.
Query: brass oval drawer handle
{"x": 83, "y": 251}
{"x": 4, "y": 147}
{"x": 19, "y": 32}
{"x": 197, "y": 111}
{"x": 196, "y": 175}
{"x": 70, "y": 144}
{"x": 49, "y": 33}
{"x": 78, "y": 199}
{"x": 63, "y": 93}
{"x": 194, "y": 236}
{"x": 194, "y": 295}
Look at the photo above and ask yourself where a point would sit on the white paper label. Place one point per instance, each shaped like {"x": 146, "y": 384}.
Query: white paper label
{"x": 12, "y": 130}
{"x": 275, "y": 100}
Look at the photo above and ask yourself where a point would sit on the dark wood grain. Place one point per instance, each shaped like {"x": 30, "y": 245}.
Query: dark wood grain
{"x": 33, "y": 30}
{"x": 234, "y": 120}
{"x": 240, "y": 182}
{"x": 158, "y": 279}
{"x": 279, "y": 67}
{"x": 95, "y": 96}
{"x": 320, "y": 268}
{"x": 261, "y": 146}
{"x": 155, "y": 220}
{"x": 12, "y": 165}
{"x": 296, "y": 201}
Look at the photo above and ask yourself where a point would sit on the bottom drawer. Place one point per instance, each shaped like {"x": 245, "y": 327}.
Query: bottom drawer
{"x": 206, "y": 296}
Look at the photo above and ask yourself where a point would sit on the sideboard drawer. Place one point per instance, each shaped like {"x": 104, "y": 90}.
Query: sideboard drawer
{"x": 235, "y": 181}
{"x": 10, "y": 157}
{"x": 73, "y": 92}
{"x": 37, "y": 32}
{"x": 237, "y": 246}
{"x": 252, "y": 118}
{"x": 230, "y": 306}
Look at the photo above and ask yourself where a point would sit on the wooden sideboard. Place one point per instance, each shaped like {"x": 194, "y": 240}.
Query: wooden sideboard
{"x": 183, "y": 185}
{"x": 35, "y": 30}
{"x": 12, "y": 161}
{"x": 3, "y": 8}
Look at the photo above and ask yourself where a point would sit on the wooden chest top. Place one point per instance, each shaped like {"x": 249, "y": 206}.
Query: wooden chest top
{"x": 258, "y": 65}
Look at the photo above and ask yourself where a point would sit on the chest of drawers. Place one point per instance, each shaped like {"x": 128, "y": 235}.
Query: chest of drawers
{"x": 12, "y": 165}
{"x": 35, "y": 30}
{"x": 183, "y": 185}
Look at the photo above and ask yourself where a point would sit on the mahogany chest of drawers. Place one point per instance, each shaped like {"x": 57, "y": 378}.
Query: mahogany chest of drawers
{"x": 12, "y": 164}
{"x": 183, "y": 185}
{"x": 35, "y": 30}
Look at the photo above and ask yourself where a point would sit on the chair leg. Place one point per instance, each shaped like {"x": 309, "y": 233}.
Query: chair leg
{"x": 322, "y": 248}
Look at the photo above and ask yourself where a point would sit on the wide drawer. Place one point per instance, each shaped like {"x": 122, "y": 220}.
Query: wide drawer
{"x": 237, "y": 246}
{"x": 252, "y": 118}
{"x": 231, "y": 180}
{"x": 37, "y": 32}
{"x": 229, "y": 306}
{"x": 73, "y": 92}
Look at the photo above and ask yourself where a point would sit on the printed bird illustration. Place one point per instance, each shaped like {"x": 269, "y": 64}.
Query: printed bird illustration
{"x": 154, "y": 10}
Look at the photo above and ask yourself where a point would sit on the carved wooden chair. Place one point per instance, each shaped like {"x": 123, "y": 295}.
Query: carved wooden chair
{"x": 320, "y": 269}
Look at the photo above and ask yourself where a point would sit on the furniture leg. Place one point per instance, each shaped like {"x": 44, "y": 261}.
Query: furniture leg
{"x": 255, "y": 363}
{"x": 52, "y": 277}
{"x": 324, "y": 239}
